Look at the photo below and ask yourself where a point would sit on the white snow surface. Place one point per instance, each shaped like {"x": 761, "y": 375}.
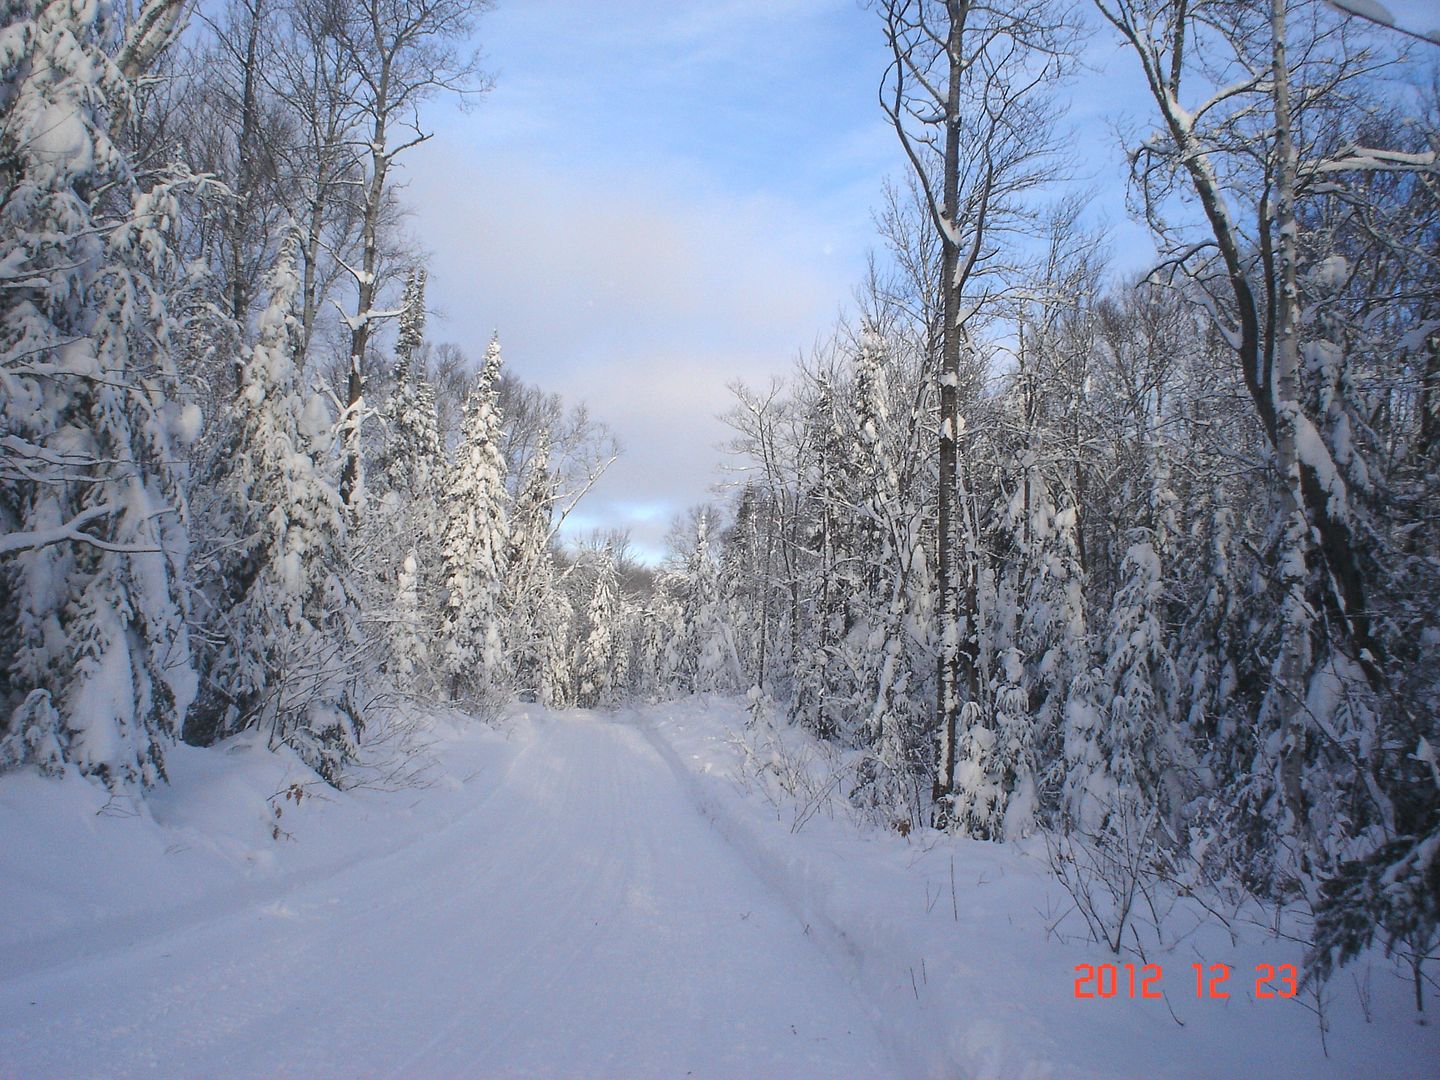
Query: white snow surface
{"x": 583, "y": 894}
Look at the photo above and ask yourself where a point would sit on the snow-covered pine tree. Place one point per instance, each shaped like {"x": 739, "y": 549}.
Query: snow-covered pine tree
{"x": 413, "y": 454}
{"x": 987, "y": 763}
{"x": 858, "y": 656}
{"x": 93, "y": 526}
{"x": 288, "y": 651}
{"x": 1137, "y": 748}
{"x": 474, "y": 541}
{"x": 1043, "y": 627}
{"x": 625, "y": 670}
{"x": 1056, "y": 635}
{"x": 977, "y": 803}
{"x": 885, "y": 601}
{"x": 662, "y": 640}
{"x": 410, "y": 334}
{"x": 402, "y": 541}
{"x": 710, "y": 637}
{"x": 555, "y": 674}
{"x": 837, "y": 665}
{"x": 1393, "y": 890}
{"x": 744, "y": 578}
{"x": 822, "y": 598}
{"x": 531, "y": 618}
{"x": 409, "y": 651}
{"x": 596, "y": 679}
{"x": 647, "y": 654}
{"x": 1205, "y": 662}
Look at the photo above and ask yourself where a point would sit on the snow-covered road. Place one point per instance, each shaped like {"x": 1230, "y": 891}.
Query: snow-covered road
{"x": 581, "y": 918}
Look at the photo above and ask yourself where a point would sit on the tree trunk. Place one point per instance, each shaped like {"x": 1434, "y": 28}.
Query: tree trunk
{"x": 158, "y": 23}
{"x": 1345, "y": 586}
{"x": 947, "y": 689}
{"x": 352, "y": 483}
{"x": 1430, "y": 403}
{"x": 1287, "y": 691}
{"x": 245, "y": 169}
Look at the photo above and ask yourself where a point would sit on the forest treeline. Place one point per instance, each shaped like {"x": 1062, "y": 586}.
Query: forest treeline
{"x": 1152, "y": 563}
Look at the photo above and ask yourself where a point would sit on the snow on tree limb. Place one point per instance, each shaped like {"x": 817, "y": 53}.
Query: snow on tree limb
{"x": 1373, "y": 11}
{"x": 72, "y": 531}
{"x": 159, "y": 23}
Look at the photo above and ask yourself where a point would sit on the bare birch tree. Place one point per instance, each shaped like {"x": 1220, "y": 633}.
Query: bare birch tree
{"x": 402, "y": 53}
{"x": 965, "y": 92}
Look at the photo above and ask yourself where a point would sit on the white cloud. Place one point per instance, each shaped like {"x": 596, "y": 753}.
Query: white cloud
{"x": 642, "y": 295}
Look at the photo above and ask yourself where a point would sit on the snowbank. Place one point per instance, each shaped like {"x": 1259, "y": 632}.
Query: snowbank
{"x": 82, "y": 872}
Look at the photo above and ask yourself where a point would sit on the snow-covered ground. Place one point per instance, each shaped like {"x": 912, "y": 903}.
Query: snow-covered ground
{"x": 590, "y": 895}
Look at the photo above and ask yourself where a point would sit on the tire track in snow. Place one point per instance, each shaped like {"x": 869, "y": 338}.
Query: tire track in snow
{"x": 580, "y": 919}
{"x": 529, "y": 830}
{"x": 805, "y": 900}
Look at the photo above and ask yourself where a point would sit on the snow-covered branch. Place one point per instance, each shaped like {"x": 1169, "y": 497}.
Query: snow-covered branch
{"x": 71, "y": 531}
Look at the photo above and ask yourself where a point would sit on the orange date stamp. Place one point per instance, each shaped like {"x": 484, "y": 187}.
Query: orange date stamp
{"x": 1211, "y": 981}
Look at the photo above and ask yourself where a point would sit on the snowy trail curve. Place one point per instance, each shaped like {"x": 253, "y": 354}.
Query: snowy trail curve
{"x": 584, "y": 920}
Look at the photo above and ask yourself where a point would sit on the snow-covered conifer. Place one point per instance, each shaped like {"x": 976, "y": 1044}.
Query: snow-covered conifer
{"x": 1136, "y": 741}
{"x": 814, "y": 635}
{"x": 407, "y": 639}
{"x": 406, "y": 478}
{"x": 825, "y": 691}
{"x": 93, "y": 526}
{"x": 474, "y": 543}
{"x": 554, "y": 670}
{"x": 884, "y": 600}
{"x": 710, "y": 636}
{"x": 413, "y": 454}
{"x": 596, "y": 679}
{"x": 532, "y": 621}
{"x": 1039, "y": 622}
{"x": 1206, "y": 670}
{"x": 662, "y": 640}
{"x": 411, "y": 332}
{"x": 280, "y": 598}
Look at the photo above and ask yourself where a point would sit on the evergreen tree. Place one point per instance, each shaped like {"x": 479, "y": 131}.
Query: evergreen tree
{"x": 811, "y": 592}
{"x": 409, "y": 655}
{"x": 597, "y": 682}
{"x": 413, "y": 455}
{"x": 1040, "y": 625}
{"x": 403, "y": 540}
{"x": 474, "y": 542}
{"x": 662, "y": 640}
{"x": 554, "y": 674}
{"x": 411, "y": 332}
{"x": 710, "y": 637}
{"x": 826, "y": 694}
{"x": 1054, "y": 636}
{"x": 93, "y": 524}
{"x": 289, "y": 651}
{"x": 1135, "y": 744}
{"x": 885, "y": 602}
{"x": 530, "y": 579}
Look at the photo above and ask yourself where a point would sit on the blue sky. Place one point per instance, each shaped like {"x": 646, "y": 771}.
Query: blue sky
{"x": 658, "y": 198}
